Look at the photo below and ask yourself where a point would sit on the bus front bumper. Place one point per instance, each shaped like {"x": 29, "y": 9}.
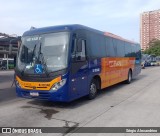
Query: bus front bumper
{"x": 60, "y": 95}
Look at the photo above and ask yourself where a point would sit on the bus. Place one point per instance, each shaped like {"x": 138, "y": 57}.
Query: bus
{"x": 64, "y": 63}
{"x": 3, "y": 63}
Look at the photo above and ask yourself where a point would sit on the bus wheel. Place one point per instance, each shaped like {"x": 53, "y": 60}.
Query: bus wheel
{"x": 128, "y": 81}
{"x": 92, "y": 89}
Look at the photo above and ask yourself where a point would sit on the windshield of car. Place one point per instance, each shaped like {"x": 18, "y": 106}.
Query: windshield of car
{"x": 51, "y": 49}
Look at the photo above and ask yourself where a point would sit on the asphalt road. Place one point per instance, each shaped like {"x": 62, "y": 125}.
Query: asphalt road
{"x": 6, "y": 78}
{"x": 7, "y": 91}
{"x": 133, "y": 105}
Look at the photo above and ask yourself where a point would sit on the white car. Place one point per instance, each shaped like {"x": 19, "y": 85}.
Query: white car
{"x": 153, "y": 63}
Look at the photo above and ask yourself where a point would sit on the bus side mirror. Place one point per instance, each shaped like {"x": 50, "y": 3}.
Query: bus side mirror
{"x": 79, "y": 46}
{"x": 81, "y": 50}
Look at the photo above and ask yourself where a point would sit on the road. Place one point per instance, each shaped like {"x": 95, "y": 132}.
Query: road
{"x": 122, "y": 105}
{"x": 7, "y": 92}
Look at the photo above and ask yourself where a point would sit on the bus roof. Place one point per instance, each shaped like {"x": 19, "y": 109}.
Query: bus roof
{"x": 118, "y": 37}
{"x": 72, "y": 27}
{"x": 51, "y": 29}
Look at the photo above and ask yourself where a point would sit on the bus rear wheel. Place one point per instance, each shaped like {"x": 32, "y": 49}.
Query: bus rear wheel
{"x": 128, "y": 81}
{"x": 92, "y": 89}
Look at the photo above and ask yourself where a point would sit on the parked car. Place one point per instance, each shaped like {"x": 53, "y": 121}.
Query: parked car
{"x": 153, "y": 63}
{"x": 147, "y": 63}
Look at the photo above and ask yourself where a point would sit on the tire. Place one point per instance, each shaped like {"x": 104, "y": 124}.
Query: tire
{"x": 128, "y": 81}
{"x": 92, "y": 89}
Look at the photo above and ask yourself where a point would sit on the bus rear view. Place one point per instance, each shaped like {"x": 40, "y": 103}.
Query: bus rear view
{"x": 61, "y": 63}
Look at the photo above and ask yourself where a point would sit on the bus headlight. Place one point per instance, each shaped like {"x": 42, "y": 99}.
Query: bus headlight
{"x": 17, "y": 84}
{"x": 58, "y": 85}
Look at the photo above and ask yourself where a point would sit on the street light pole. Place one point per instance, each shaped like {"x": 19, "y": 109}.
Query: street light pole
{"x": 10, "y": 50}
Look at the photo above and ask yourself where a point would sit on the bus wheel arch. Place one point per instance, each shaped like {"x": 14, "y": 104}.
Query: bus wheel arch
{"x": 129, "y": 78}
{"x": 94, "y": 86}
{"x": 98, "y": 80}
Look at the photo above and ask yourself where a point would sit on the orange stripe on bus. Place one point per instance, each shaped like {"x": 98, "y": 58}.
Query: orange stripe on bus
{"x": 115, "y": 70}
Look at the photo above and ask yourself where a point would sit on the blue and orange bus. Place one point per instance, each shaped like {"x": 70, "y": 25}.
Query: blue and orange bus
{"x": 64, "y": 63}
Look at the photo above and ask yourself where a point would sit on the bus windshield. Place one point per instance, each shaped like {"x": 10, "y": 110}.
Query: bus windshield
{"x": 50, "y": 50}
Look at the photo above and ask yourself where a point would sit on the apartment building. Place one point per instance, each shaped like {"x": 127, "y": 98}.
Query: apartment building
{"x": 149, "y": 27}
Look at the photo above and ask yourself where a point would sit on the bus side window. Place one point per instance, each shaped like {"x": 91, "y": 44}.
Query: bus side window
{"x": 81, "y": 50}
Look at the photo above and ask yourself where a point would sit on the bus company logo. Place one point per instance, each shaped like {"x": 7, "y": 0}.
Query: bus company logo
{"x": 6, "y": 130}
{"x": 44, "y": 85}
{"x": 115, "y": 63}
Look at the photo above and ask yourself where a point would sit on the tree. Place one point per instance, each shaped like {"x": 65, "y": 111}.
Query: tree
{"x": 154, "y": 48}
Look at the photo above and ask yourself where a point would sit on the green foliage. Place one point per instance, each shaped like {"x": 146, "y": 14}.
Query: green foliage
{"x": 154, "y": 48}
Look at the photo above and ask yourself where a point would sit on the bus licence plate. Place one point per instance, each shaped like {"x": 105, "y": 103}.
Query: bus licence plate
{"x": 34, "y": 93}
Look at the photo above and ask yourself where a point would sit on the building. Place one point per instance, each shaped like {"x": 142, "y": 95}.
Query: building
{"x": 6, "y": 43}
{"x": 149, "y": 27}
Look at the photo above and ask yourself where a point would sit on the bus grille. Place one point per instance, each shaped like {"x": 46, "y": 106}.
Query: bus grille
{"x": 42, "y": 95}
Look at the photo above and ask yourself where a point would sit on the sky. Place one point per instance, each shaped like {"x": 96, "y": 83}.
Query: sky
{"x": 121, "y": 17}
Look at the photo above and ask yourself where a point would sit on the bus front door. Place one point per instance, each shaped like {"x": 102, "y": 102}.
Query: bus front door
{"x": 79, "y": 71}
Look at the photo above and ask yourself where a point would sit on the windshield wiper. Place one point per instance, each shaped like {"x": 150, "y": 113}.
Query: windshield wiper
{"x": 33, "y": 52}
{"x": 40, "y": 55}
